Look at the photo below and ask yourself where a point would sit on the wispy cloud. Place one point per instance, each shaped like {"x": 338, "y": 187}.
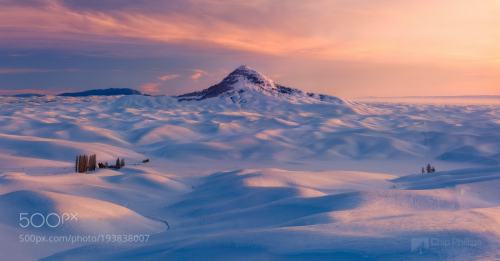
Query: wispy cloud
{"x": 197, "y": 74}
{"x": 385, "y": 31}
{"x": 390, "y": 31}
{"x": 150, "y": 88}
{"x": 155, "y": 87}
{"x": 168, "y": 77}
{"x": 356, "y": 46}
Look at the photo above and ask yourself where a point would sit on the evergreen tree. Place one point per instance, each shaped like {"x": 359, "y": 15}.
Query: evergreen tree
{"x": 76, "y": 163}
{"x": 81, "y": 163}
{"x": 92, "y": 162}
{"x": 429, "y": 168}
{"x": 122, "y": 163}
{"x": 117, "y": 164}
{"x": 85, "y": 163}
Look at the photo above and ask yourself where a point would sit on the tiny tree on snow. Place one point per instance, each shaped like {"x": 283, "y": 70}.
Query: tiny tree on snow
{"x": 77, "y": 163}
{"x": 85, "y": 162}
{"x": 92, "y": 162}
{"x": 429, "y": 168}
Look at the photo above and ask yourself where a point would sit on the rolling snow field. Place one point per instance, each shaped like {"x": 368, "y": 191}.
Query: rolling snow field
{"x": 255, "y": 177}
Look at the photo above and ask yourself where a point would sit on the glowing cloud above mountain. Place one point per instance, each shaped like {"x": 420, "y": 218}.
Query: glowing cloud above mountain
{"x": 444, "y": 46}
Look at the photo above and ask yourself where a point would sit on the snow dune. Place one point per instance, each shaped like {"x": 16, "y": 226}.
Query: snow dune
{"x": 268, "y": 178}
{"x": 278, "y": 214}
{"x": 278, "y": 131}
{"x": 93, "y": 215}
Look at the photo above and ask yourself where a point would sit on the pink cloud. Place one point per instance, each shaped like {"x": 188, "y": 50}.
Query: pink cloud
{"x": 455, "y": 36}
{"x": 168, "y": 77}
{"x": 369, "y": 32}
{"x": 155, "y": 87}
{"x": 150, "y": 88}
{"x": 197, "y": 74}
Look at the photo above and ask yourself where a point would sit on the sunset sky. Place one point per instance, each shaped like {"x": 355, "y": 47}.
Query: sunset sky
{"x": 349, "y": 48}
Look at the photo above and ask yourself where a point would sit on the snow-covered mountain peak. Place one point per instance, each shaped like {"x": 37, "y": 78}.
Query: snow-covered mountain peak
{"x": 249, "y": 75}
{"x": 245, "y": 84}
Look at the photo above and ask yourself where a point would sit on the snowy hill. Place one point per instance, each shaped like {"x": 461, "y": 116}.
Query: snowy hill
{"x": 245, "y": 84}
{"x": 250, "y": 170}
{"x": 267, "y": 129}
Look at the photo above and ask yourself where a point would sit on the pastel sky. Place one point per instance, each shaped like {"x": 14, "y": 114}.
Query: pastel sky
{"x": 350, "y": 48}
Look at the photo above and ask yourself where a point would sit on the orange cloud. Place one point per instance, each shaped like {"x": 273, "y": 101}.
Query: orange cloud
{"x": 427, "y": 43}
{"x": 452, "y": 31}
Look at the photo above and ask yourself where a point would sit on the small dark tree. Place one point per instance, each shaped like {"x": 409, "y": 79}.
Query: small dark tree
{"x": 85, "y": 167}
{"x": 77, "y": 164}
{"x": 80, "y": 163}
{"x": 423, "y": 170}
{"x": 122, "y": 163}
{"x": 429, "y": 168}
{"x": 92, "y": 162}
{"x": 117, "y": 164}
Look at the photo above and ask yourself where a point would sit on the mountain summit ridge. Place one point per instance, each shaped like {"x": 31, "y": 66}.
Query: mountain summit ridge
{"x": 245, "y": 82}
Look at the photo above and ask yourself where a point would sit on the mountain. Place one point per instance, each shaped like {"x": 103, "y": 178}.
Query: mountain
{"x": 102, "y": 92}
{"x": 245, "y": 83}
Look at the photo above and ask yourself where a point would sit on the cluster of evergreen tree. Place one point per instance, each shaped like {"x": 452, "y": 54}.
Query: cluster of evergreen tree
{"x": 428, "y": 169}
{"x": 85, "y": 163}
{"x": 120, "y": 163}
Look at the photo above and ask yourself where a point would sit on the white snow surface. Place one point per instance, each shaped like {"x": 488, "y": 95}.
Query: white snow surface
{"x": 272, "y": 178}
